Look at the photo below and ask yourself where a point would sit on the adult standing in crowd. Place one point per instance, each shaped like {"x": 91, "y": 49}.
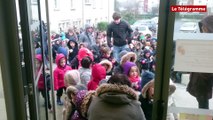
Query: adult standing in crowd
{"x": 87, "y": 37}
{"x": 200, "y": 84}
{"x": 71, "y": 35}
{"x": 119, "y": 30}
{"x": 115, "y": 101}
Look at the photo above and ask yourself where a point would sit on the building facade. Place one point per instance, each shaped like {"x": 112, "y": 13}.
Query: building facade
{"x": 64, "y": 14}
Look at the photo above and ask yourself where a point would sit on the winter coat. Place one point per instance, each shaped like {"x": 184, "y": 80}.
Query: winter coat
{"x": 59, "y": 73}
{"x": 108, "y": 63}
{"x": 69, "y": 107}
{"x": 62, "y": 50}
{"x": 115, "y": 102}
{"x": 41, "y": 77}
{"x": 146, "y": 62}
{"x": 83, "y": 52}
{"x": 71, "y": 37}
{"x": 120, "y": 33}
{"x": 85, "y": 75}
{"x": 78, "y": 102}
{"x": 146, "y": 102}
{"x": 96, "y": 53}
{"x": 72, "y": 51}
{"x": 147, "y": 106}
{"x": 98, "y": 74}
{"x": 87, "y": 39}
{"x": 200, "y": 85}
{"x": 77, "y": 109}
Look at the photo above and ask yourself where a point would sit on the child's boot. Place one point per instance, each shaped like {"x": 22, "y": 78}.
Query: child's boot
{"x": 59, "y": 102}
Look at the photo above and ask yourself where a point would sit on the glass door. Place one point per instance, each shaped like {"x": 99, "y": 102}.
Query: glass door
{"x": 36, "y": 64}
{"x": 183, "y": 56}
{"x": 192, "y": 68}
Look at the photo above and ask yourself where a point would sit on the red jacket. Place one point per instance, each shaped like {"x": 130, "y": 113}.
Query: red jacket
{"x": 41, "y": 78}
{"x": 98, "y": 74}
{"x": 59, "y": 73}
{"x": 83, "y": 52}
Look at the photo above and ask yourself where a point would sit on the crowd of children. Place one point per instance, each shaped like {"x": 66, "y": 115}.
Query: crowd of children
{"x": 82, "y": 72}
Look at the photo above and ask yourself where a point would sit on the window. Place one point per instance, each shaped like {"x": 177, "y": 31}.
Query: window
{"x": 75, "y": 23}
{"x": 88, "y": 21}
{"x": 35, "y": 2}
{"x": 94, "y": 4}
{"x": 72, "y": 4}
{"x": 101, "y": 4}
{"x": 56, "y": 4}
{"x": 88, "y": 2}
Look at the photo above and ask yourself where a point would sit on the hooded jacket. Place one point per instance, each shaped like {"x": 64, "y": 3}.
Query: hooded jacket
{"x": 83, "y": 52}
{"x": 146, "y": 103}
{"x": 108, "y": 63}
{"x": 78, "y": 102}
{"x": 146, "y": 62}
{"x": 127, "y": 67}
{"x": 136, "y": 81}
{"x": 74, "y": 50}
{"x": 115, "y": 102}
{"x": 41, "y": 78}
{"x": 59, "y": 72}
{"x": 98, "y": 74}
{"x": 87, "y": 38}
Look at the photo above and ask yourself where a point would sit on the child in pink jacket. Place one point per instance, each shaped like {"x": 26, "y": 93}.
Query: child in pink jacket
{"x": 59, "y": 73}
{"x": 41, "y": 82}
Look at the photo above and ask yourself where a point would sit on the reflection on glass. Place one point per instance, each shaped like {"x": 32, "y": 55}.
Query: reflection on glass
{"x": 194, "y": 89}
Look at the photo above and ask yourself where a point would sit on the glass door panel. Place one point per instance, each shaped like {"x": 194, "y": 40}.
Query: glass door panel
{"x": 191, "y": 69}
{"x": 35, "y": 48}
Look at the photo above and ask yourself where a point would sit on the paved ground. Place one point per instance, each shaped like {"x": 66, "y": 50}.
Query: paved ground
{"x": 184, "y": 99}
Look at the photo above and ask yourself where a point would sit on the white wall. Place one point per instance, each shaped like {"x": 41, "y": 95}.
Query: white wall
{"x": 80, "y": 13}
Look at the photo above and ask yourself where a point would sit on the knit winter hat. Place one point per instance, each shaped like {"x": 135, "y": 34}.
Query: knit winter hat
{"x": 72, "y": 77}
{"x": 147, "y": 76}
{"x": 127, "y": 66}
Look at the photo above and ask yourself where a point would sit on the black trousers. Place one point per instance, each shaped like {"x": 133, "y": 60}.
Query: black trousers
{"x": 203, "y": 102}
{"x": 60, "y": 92}
{"x": 43, "y": 93}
